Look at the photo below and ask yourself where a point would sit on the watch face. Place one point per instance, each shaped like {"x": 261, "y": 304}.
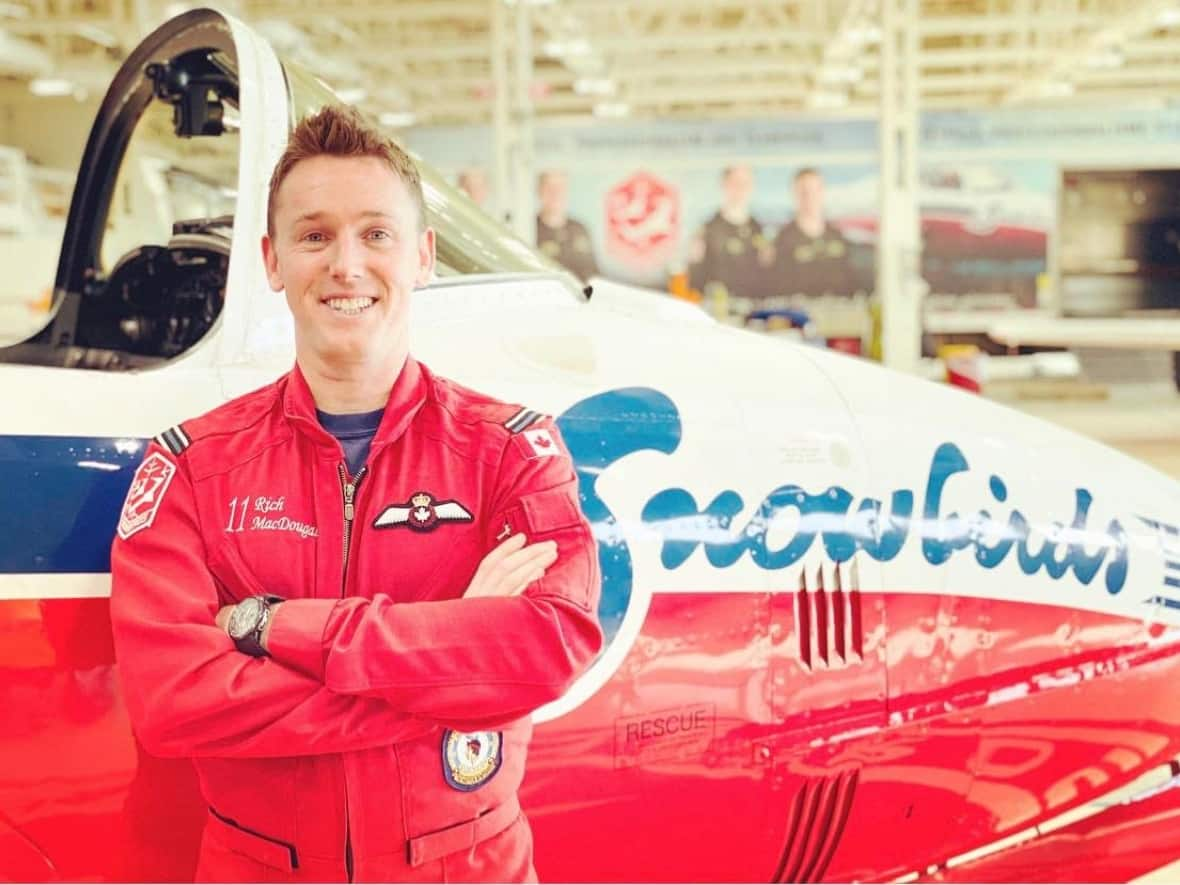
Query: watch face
{"x": 245, "y": 618}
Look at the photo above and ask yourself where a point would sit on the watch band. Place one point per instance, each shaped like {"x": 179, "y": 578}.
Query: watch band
{"x": 251, "y": 643}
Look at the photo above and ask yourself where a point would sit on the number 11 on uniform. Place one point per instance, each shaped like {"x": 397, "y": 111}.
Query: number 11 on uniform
{"x": 240, "y": 517}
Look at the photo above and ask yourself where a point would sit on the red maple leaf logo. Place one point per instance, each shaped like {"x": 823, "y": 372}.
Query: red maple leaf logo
{"x": 643, "y": 220}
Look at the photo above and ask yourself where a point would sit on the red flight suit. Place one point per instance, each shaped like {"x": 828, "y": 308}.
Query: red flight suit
{"x": 385, "y": 736}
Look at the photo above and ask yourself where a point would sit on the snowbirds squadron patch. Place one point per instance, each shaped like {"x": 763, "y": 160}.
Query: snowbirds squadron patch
{"x": 145, "y": 495}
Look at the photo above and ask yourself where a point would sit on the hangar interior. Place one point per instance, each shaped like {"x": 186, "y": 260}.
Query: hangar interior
{"x": 978, "y": 192}
{"x": 997, "y": 179}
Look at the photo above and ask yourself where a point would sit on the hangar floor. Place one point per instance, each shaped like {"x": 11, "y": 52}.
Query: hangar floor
{"x": 1141, "y": 420}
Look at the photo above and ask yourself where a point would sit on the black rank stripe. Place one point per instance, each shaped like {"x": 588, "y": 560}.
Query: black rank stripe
{"x": 521, "y": 420}
{"x": 174, "y": 439}
{"x": 533, "y": 418}
{"x": 511, "y": 422}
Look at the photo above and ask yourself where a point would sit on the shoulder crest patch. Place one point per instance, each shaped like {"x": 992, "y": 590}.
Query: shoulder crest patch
{"x": 145, "y": 495}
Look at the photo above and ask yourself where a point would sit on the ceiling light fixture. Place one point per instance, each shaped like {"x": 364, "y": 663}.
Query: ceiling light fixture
{"x": 1168, "y": 18}
{"x": 46, "y": 87}
{"x": 1106, "y": 59}
{"x": 352, "y": 94}
{"x": 595, "y": 86}
{"x": 826, "y": 98}
{"x": 575, "y": 48}
{"x": 864, "y": 34}
{"x": 841, "y": 74}
{"x": 397, "y": 119}
{"x": 98, "y": 35}
{"x": 1057, "y": 89}
{"x": 612, "y": 109}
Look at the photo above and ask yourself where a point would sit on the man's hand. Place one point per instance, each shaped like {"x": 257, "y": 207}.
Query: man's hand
{"x": 511, "y": 567}
{"x": 223, "y": 616}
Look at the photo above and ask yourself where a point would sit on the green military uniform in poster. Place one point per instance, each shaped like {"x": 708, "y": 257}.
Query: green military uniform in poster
{"x": 564, "y": 239}
{"x": 731, "y": 249}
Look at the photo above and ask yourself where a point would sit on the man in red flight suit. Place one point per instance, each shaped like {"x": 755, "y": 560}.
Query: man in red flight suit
{"x": 323, "y": 592}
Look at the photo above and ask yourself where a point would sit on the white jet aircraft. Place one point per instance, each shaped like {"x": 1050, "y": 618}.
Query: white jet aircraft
{"x": 859, "y": 626}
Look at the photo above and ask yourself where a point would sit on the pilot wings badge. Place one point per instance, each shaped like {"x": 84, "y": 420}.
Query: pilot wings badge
{"x": 422, "y": 514}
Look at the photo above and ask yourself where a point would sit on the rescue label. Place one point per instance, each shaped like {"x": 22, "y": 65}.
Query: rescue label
{"x": 676, "y": 733}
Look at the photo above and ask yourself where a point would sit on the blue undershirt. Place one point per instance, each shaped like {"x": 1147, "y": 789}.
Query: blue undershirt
{"x": 355, "y": 433}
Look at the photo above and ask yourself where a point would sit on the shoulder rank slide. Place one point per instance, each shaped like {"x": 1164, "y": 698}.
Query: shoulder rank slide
{"x": 174, "y": 439}
{"x": 522, "y": 420}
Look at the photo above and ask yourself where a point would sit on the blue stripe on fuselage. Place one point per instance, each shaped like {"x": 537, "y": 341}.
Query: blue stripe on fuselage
{"x": 61, "y": 500}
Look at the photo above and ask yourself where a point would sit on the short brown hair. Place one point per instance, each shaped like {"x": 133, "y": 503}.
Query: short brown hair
{"x": 339, "y": 131}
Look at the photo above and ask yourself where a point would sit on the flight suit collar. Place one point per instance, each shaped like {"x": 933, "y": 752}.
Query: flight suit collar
{"x": 405, "y": 399}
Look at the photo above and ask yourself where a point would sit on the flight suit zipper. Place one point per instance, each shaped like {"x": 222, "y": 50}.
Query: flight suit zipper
{"x": 348, "y": 486}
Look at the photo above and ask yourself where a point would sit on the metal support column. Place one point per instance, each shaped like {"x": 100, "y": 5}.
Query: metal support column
{"x": 899, "y": 242}
{"x": 524, "y": 174}
{"x": 502, "y": 135}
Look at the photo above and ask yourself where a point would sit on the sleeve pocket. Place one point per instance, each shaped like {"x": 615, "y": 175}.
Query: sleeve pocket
{"x": 550, "y": 510}
{"x": 554, "y": 515}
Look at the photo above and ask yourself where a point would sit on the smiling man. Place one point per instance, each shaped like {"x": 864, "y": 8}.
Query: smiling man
{"x": 343, "y": 594}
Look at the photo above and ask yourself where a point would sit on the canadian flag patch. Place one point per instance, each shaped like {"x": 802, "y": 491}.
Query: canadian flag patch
{"x": 146, "y": 492}
{"x": 541, "y": 443}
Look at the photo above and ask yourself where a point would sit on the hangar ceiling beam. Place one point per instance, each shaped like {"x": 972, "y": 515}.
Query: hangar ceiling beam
{"x": 684, "y": 58}
{"x": 1120, "y": 76}
{"x": 978, "y": 25}
{"x": 684, "y": 41}
{"x": 1133, "y": 20}
{"x": 679, "y": 67}
{"x": 313, "y": 11}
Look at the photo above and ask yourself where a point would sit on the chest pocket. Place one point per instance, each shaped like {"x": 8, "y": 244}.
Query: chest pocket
{"x": 241, "y": 571}
{"x": 268, "y": 541}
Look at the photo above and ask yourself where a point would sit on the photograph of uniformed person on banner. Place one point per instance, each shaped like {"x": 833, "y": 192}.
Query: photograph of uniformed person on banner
{"x": 342, "y": 595}
{"x": 812, "y": 256}
{"x": 473, "y": 181}
{"x": 566, "y": 240}
{"x": 731, "y": 249}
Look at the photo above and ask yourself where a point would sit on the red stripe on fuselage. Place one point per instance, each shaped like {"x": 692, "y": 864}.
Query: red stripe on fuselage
{"x": 973, "y": 717}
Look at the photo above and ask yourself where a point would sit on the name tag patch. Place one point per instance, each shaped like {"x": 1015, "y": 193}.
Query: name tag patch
{"x": 471, "y": 760}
